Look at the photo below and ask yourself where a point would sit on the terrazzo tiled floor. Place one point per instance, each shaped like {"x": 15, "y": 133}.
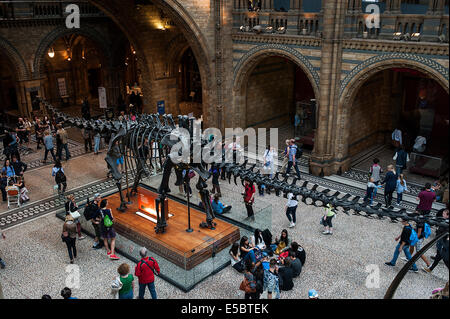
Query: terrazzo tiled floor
{"x": 335, "y": 265}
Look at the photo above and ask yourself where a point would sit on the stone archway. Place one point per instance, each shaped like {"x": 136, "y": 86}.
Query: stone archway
{"x": 22, "y": 71}
{"x": 250, "y": 60}
{"x": 353, "y": 82}
{"x": 45, "y": 44}
{"x": 120, "y": 12}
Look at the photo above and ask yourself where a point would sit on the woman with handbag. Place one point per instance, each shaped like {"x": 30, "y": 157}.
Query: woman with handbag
{"x": 69, "y": 236}
{"x": 72, "y": 209}
{"x": 248, "y": 285}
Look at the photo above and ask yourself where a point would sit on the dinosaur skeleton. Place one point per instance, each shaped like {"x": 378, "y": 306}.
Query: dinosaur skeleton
{"x": 134, "y": 140}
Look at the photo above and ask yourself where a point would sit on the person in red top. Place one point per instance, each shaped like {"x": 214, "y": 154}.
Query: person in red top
{"x": 145, "y": 270}
{"x": 249, "y": 198}
{"x": 426, "y": 199}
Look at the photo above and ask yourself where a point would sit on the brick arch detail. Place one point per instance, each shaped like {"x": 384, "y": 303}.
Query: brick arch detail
{"x": 381, "y": 62}
{"x": 116, "y": 10}
{"x": 20, "y": 67}
{"x": 55, "y": 34}
{"x": 250, "y": 60}
{"x": 351, "y": 85}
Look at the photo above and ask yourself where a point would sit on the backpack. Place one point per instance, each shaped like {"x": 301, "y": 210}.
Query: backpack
{"x": 60, "y": 177}
{"x": 426, "y": 230}
{"x": 298, "y": 153}
{"x": 107, "y": 221}
{"x": 413, "y": 239}
{"x": 88, "y": 211}
{"x": 245, "y": 286}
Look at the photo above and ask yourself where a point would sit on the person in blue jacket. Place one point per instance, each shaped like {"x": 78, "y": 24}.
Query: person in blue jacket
{"x": 218, "y": 207}
{"x": 390, "y": 184}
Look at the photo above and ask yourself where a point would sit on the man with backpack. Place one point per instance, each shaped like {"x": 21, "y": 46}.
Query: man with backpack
{"x": 407, "y": 238}
{"x": 423, "y": 231}
{"x": 145, "y": 270}
{"x": 92, "y": 212}
{"x": 295, "y": 153}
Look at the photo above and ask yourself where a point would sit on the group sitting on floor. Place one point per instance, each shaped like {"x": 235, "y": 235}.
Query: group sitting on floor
{"x": 267, "y": 265}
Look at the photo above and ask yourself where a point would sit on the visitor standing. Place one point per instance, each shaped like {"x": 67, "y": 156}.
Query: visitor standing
{"x": 48, "y": 143}
{"x": 371, "y": 191}
{"x": 72, "y": 209}
{"x": 215, "y": 178}
{"x": 127, "y": 280}
{"x": 94, "y": 213}
{"x": 390, "y": 184}
{"x": 60, "y": 177}
{"x": 294, "y": 157}
{"x": 404, "y": 242}
{"x": 375, "y": 173}
{"x": 62, "y": 135}
{"x": 441, "y": 243}
{"x": 271, "y": 281}
{"x": 268, "y": 161}
{"x": 291, "y": 208}
{"x": 426, "y": 199}
{"x": 97, "y": 138}
{"x": 85, "y": 109}
{"x": 19, "y": 166}
{"x": 39, "y": 132}
{"x": 327, "y": 220}
{"x": 249, "y": 197}
{"x": 87, "y": 137}
{"x": 401, "y": 188}
{"x": 69, "y": 236}
{"x": 145, "y": 270}
{"x": 397, "y": 138}
{"x": 285, "y": 157}
{"x": 8, "y": 169}
{"x": 249, "y": 282}
{"x": 108, "y": 231}
{"x": 401, "y": 157}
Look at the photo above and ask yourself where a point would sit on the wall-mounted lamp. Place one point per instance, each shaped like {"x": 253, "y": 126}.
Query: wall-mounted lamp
{"x": 51, "y": 53}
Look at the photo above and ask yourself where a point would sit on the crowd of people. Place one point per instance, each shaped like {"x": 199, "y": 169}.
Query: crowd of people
{"x": 268, "y": 265}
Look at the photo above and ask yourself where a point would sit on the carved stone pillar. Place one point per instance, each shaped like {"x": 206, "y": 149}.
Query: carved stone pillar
{"x": 323, "y": 159}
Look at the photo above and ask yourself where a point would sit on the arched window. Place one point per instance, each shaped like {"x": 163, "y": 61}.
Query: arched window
{"x": 405, "y": 30}
{"x": 399, "y": 28}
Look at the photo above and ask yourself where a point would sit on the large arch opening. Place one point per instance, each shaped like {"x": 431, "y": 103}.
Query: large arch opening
{"x": 73, "y": 64}
{"x": 274, "y": 92}
{"x": 8, "y": 90}
{"x": 173, "y": 32}
{"x": 189, "y": 85}
{"x": 412, "y": 101}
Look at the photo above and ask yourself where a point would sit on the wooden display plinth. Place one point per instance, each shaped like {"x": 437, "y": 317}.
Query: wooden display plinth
{"x": 184, "y": 249}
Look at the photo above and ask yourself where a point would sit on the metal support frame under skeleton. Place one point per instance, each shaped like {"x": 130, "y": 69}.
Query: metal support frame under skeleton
{"x": 129, "y": 139}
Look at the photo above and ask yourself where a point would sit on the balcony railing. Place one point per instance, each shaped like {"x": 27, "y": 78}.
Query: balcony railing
{"x": 11, "y": 10}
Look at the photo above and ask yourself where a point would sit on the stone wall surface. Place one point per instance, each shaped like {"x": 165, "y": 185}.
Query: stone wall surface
{"x": 336, "y": 58}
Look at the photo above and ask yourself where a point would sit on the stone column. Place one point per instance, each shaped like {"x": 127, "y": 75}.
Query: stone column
{"x": 395, "y": 6}
{"x": 435, "y": 7}
{"x": 323, "y": 160}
